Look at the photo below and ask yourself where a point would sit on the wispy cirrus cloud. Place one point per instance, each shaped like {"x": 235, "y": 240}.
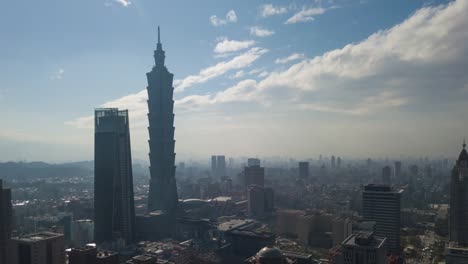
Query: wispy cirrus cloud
{"x": 292, "y": 57}
{"x": 241, "y": 61}
{"x": 271, "y": 10}
{"x": 306, "y": 14}
{"x": 230, "y": 17}
{"x": 124, "y": 3}
{"x": 225, "y": 45}
{"x": 261, "y": 32}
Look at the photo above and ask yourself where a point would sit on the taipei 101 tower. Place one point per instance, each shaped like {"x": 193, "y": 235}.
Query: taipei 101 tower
{"x": 163, "y": 190}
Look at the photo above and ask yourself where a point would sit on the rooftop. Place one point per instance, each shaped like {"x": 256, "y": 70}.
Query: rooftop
{"x": 38, "y": 237}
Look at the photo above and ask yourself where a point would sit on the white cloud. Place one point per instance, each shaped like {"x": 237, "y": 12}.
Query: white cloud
{"x": 271, "y": 10}
{"x": 306, "y": 14}
{"x": 124, "y": 3}
{"x": 230, "y": 17}
{"x": 58, "y": 74}
{"x": 292, "y": 57}
{"x": 404, "y": 65}
{"x": 238, "y": 74}
{"x": 225, "y": 45}
{"x": 238, "y": 62}
{"x": 261, "y": 32}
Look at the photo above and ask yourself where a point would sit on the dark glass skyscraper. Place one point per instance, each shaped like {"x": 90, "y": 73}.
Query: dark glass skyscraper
{"x": 458, "y": 219}
{"x": 114, "y": 211}
{"x": 6, "y": 212}
{"x": 163, "y": 190}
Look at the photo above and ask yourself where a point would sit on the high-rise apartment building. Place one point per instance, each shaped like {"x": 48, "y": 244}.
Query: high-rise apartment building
{"x": 6, "y": 218}
{"x": 458, "y": 217}
{"x": 39, "y": 248}
{"x": 163, "y": 190}
{"x": 381, "y": 204}
{"x": 114, "y": 212}
{"x": 303, "y": 170}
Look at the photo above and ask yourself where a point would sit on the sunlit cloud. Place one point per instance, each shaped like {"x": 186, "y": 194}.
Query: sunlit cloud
{"x": 271, "y": 10}
{"x": 306, "y": 14}
{"x": 261, "y": 32}
{"x": 230, "y": 17}
{"x": 292, "y": 57}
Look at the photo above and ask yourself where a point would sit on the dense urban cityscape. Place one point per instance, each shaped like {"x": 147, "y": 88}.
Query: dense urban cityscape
{"x": 334, "y": 209}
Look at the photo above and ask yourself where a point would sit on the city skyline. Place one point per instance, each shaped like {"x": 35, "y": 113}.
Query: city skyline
{"x": 350, "y": 85}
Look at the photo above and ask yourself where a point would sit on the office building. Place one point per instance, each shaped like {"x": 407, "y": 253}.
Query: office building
{"x": 6, "y": 218}
{"x": 333, "y": 164}
{"x": 38, "y": 248}
{"x": 254, "y": 175}
{"x": 163, "y": 190}
{"x": 256, "y": 200}
{"x": 386, "y": 175}
{"x": 82, "y": 232}
{"x": 303, "y": 170}
{"x": 364, "y": 248}
{"x": 397, "y": 171}
{"x": 458, "y": 217}
{"x": 213, "y": 166}
{"x": 114, "y": 211}
{"x": 89, "y": 254}
{"x": 381, "y": 204}
{"x": 253, "y": 162}
{"x": 342, "y": 228}
{"x": 456, "y": 254}
{"x": 338, "y": 162}
{"x": 82, "y": 255}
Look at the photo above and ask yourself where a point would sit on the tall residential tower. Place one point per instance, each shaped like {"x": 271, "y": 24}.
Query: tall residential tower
{"x": 114, "y": 211}
{"x": 163, "y": 189}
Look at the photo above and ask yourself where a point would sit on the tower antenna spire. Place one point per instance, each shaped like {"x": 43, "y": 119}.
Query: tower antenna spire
{"x": 159, "y": 36}
{"x": 464, "y": 142}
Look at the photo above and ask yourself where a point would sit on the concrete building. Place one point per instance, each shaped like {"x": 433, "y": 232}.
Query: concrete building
{"x": 82, "y": 232}
{"x": 342, "y": 228}
{"x": 364, "y": 248}
{"x": 82, "y": 255}
{"x": 458, "y": 216}
{"x": 163, "y": 190}
{"x": 6, "y": 219}
{"x": 253, "y": 162}
{"x": 303, "y": 170}
{"x": 256, "y": 200}
{"x": 114, "y": 209}
{"x": 381, "y": 204}
{"x": 397, "y": 171}
{"x": 254, "y": 175}
{"x": 39, "y": 248}
{"x": 456, "y": 254}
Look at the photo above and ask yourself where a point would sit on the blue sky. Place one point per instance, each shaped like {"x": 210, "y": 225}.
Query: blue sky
{"x": 292, "y": 78}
